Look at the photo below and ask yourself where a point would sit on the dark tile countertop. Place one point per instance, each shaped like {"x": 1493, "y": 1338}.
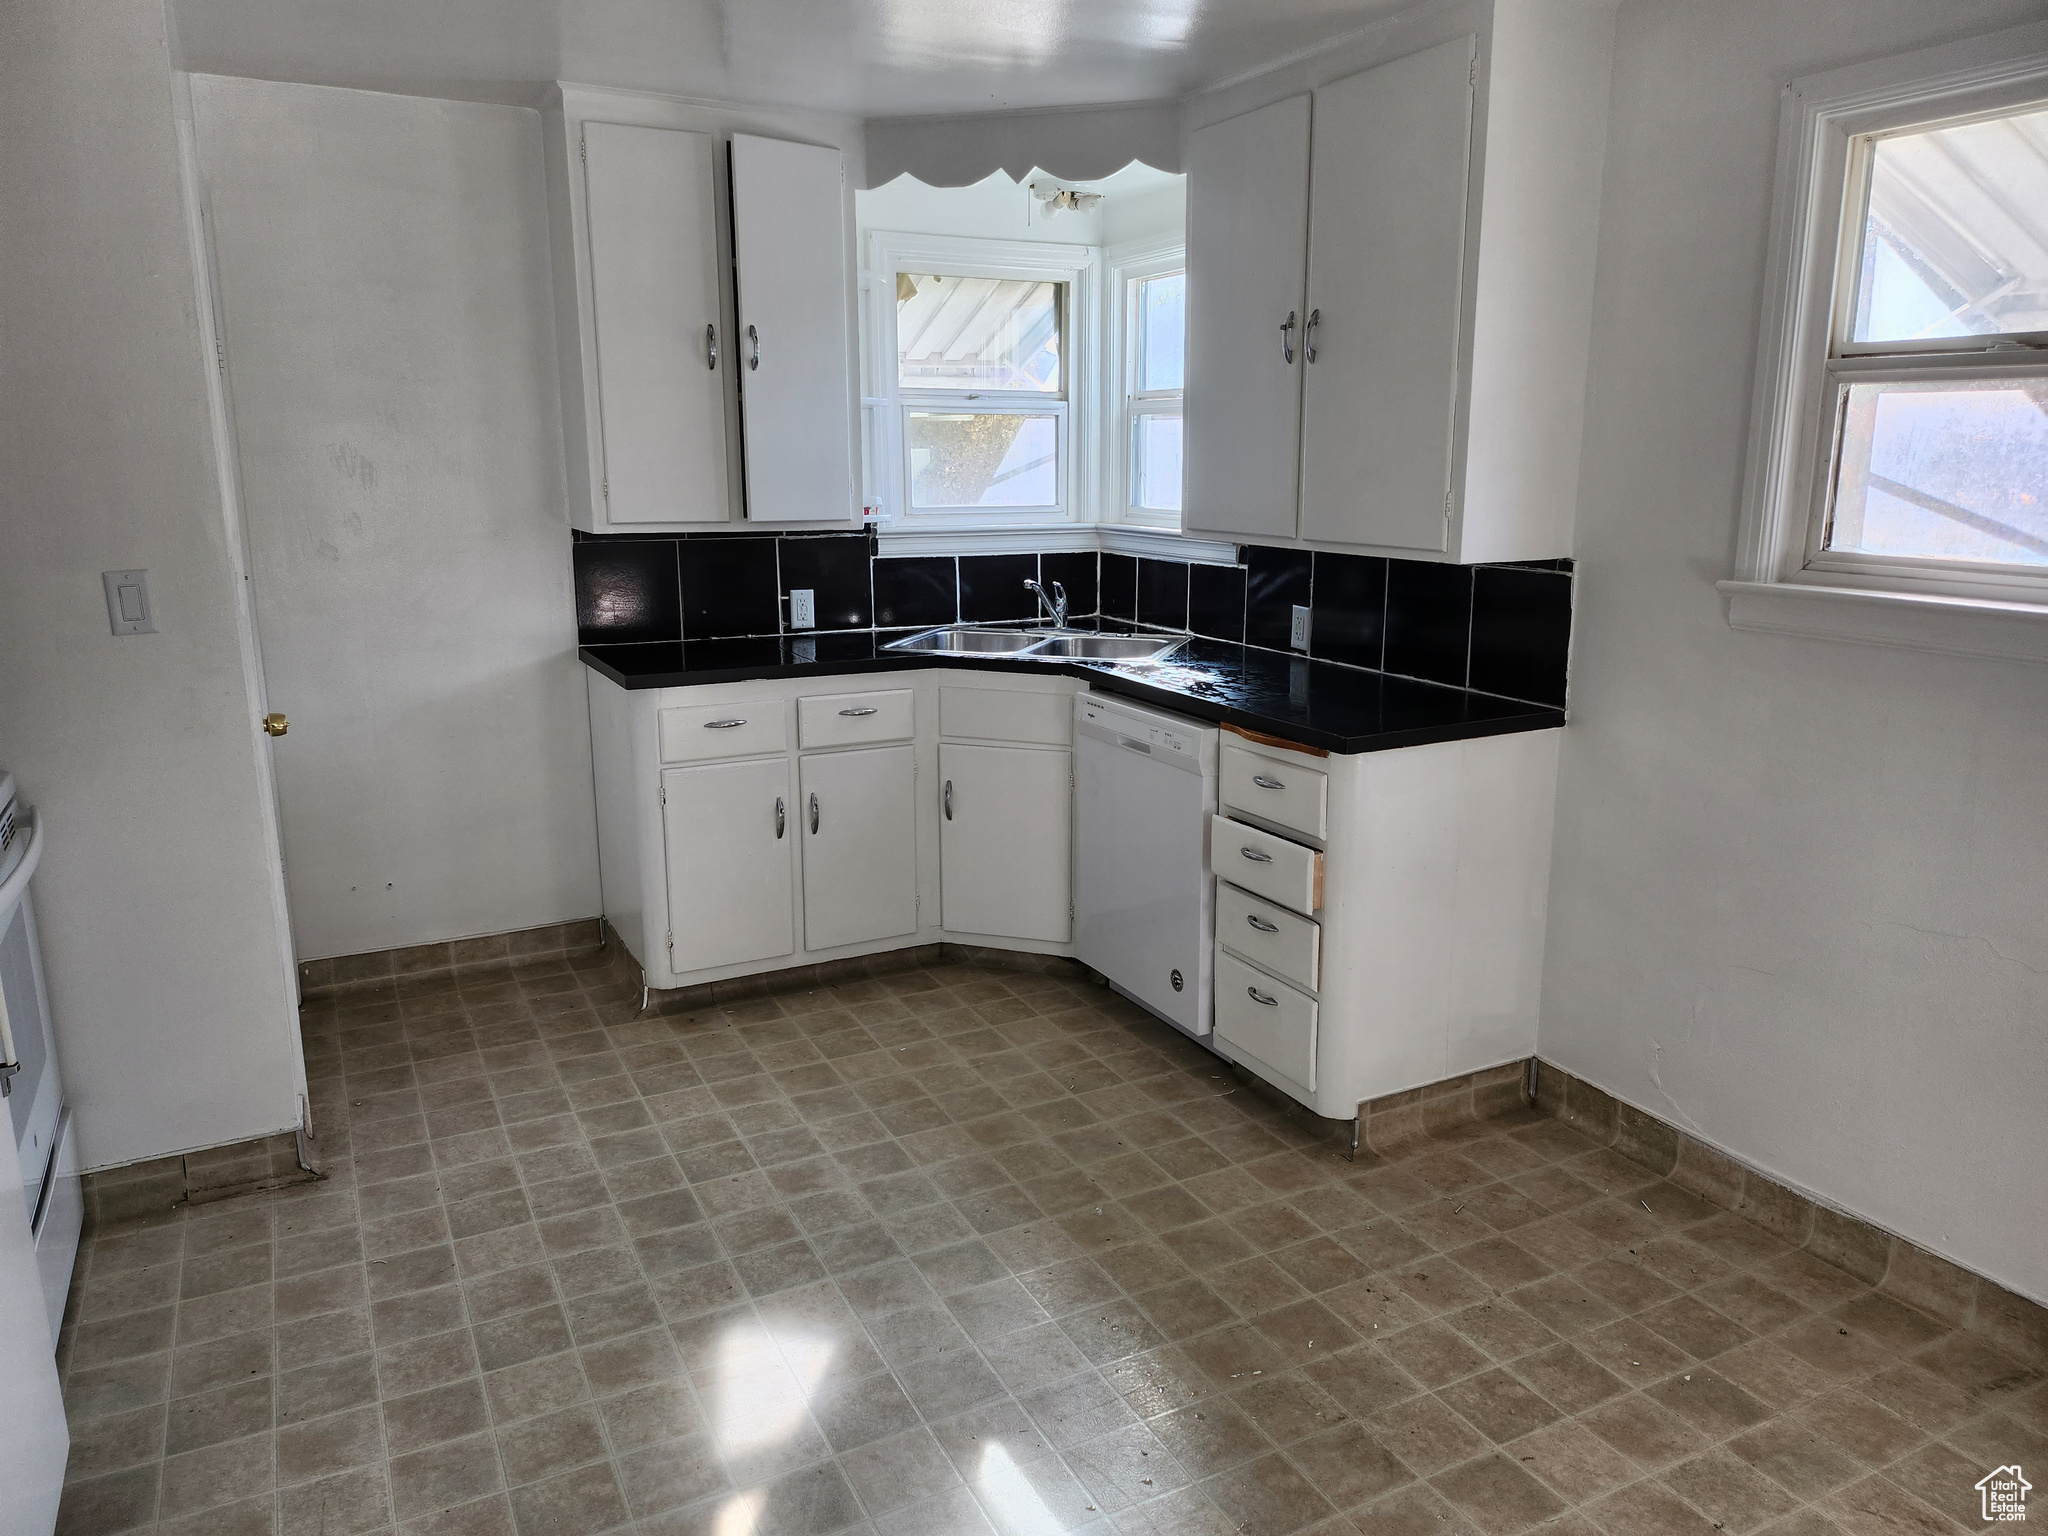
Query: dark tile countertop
{"x": 1316, "y": 703}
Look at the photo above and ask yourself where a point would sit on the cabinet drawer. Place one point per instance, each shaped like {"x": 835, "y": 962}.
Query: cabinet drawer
{"x": 1266, "y": 1017}
{"x": 1271, "y": 936}
{"x": 698, "y": 733}
{"x": 845, "y": 719}
{"x": 1282, "y": 793}
{"x": 1005, "y": 714}
{"x": 1266, "y": 865}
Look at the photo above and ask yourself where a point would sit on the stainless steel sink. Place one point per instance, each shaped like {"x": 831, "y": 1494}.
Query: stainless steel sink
{"x": 969, "y": 642}
{"x": 1105, "y": 648}
{"x": 1035, "y": 644}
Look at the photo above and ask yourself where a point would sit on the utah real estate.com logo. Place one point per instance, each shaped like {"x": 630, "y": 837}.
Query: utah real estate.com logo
{"x": 2005, "y": 1494}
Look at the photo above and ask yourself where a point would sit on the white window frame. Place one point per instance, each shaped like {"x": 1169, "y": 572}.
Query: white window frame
{"x": 1129, "y": 266}
{"x": 1785, "y": 582}
{"x": 885, "y": 403}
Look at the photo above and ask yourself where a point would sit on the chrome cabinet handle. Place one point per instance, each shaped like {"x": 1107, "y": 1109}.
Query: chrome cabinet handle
{"x": 722, "y": 725}
{"x": 1265, "y": 783}
{"x": 1255, "y": 856}
{"x": 711, "y": 347}
{"x": 814, "y": 811}
{"x": 947, "y": 799}
{"x": 1287, "y": 339}
{"x": 1260, "y": 923}
{"x": 754, "y": 338}
{"x": 1308, "y": 334}
{"x": 855, "y": 713}
{"x": 1259, "y": 997}
{"x": 779, "y": 817}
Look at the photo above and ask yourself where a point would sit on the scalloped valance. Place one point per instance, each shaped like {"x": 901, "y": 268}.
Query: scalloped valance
{"x": 1073, "y": 143}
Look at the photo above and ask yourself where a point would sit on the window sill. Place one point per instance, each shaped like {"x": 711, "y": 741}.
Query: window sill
{"x": 1116, "y": 538}
{"x": 1956, "y": 626}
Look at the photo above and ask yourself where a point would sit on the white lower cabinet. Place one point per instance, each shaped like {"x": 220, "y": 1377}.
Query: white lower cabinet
{"x": 1267, "y": 1019}
{"x": 1006, "y": 867}
{"x": 726, "y": 833}
{"x": 859, "y": 814}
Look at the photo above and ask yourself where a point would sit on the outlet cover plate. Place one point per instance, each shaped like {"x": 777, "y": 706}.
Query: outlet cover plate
{"x": 1297, "y": 630}
{"x": 803, "y": 608}
{"x": 129, "y": 611}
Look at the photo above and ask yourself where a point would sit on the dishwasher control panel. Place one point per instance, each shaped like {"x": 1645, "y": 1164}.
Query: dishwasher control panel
{"x": 1135, "y": 731}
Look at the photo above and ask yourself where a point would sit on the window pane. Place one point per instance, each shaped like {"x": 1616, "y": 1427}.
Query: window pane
{"x": 971, "y": 459}
{"x": 1155, "y": 463}
{"x": 1953, "y": 241}
{"x": 977, "y": 333}
{"x": 1954, "y": 471}
{"x": 1162, "y": 331}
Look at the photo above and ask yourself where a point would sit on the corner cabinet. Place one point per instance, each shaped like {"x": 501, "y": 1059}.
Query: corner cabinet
{"x": 1390, "y": 289}
{"x": 703, "y": 318}
{"x": 750, "y": 827}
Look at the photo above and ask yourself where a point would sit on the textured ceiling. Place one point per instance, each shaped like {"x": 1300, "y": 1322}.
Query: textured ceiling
{"x": 865, "y": 58}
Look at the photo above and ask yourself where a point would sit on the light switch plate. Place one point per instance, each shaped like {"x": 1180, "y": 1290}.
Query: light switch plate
{"x": 803, "y": 611}
{"x": 128, "y": 606}
{"x": 1297, "y": 631}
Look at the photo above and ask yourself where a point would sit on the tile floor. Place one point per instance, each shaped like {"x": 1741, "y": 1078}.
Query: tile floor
{"x": 961, "y": 1250}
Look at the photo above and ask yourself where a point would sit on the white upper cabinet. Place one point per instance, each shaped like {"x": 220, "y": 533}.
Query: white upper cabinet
{"x": 793, "y": 329}
{"x": 1247, "y": 245}
{"x": 1434, "y": 402}
{"x": 661, "y": 338}
{"x": 1385, "y": 274}
{"x": 703, "y": 318}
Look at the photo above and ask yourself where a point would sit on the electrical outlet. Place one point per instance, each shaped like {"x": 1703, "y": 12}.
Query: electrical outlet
{"x": 1297, "y": 631}
{"x": 803, "y": 612}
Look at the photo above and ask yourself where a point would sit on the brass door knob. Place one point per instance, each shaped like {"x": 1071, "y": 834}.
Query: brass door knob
{"x": 275, "y": 725}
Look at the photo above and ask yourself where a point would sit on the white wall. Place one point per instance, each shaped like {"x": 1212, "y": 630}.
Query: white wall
{"x": 1800, "y": 890}
{"x": 168, "y": 978}
{"x": 383, "y": 272}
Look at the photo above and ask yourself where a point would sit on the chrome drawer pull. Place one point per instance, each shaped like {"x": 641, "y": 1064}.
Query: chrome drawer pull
{"x": 814, "y": 812}
{"x": 779, "y": 817}
{"x": 1265, "y": 783}
{"x": 722, "y": 725}
{"x": 947, "y": 799}
{"x": 1259, "y": 997}
{"x": 869, "y": 709}
{"x": 1255, "y": 856}
{"x": 1261, "y": 924}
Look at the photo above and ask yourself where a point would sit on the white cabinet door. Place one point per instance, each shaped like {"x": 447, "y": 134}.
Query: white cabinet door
{"x": 662, "y": 350}
{"x": 1386, "y": 276}
{"x": 796, "y": 402}
{"x": 859, "y": 816}
{"x": 1247, "y": 246}
{"x": 729, "y": 830}
{"x": 1006, "y": 856}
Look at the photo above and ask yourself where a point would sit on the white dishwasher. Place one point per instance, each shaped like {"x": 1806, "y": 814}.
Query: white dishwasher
{"x": 1144, "y": 901}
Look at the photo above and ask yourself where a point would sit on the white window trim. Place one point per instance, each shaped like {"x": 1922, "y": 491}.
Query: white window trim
{"x": 1078, "y": 266}
{"x": 1776, "y": 589}
{"x": 1127, "y": 265}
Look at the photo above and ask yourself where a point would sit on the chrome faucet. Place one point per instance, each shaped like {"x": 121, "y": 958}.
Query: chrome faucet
{"x": 1057, "y": 602}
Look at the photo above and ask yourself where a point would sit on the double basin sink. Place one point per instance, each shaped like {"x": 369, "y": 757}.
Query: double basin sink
{"x": 1036, "y": 644}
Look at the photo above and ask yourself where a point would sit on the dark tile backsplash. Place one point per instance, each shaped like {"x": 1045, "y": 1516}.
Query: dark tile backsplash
{"x": 627, "y": 590}
{"x": 1216, "y": 601}
{"x": 921, "y": 590}
{"x": 1502, "y": 629}
{"x": 992, "y": 588}
{"x": 1163, "y": 593}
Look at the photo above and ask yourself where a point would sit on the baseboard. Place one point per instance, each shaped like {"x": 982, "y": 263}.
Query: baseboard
{"x": 1957, "y": 1296}
{"x": 137, "y": 1192}
{"x": 826, "y": 973}
{"x": 380, "y": 969}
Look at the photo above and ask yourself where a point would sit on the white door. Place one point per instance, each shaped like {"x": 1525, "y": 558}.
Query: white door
{"x": 1006, "y": 854}
{"x": 662, "y": 350}
{"x": 1247, "y": 248}
{"x": 1385, "y": 279}
{"x": 729, "y": 830}
{"x": 860, "y": 846}
{"x": 796, "y": 378}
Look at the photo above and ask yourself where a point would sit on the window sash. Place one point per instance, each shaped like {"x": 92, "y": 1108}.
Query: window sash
{"x": 987, "y": 403}
{"x": 1132, "y": 402}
